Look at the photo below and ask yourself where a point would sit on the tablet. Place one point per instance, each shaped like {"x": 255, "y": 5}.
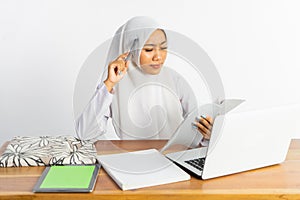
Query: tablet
{"x": 69, "y": 178}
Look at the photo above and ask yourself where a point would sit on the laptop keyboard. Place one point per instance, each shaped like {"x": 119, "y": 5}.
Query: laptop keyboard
{"x": 197, "y": 163}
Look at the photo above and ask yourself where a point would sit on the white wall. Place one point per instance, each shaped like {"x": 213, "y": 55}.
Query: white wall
{"x": 254, "y": 44}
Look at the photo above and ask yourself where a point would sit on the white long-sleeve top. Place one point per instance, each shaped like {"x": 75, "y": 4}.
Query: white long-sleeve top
{"x": 92, "y": 123}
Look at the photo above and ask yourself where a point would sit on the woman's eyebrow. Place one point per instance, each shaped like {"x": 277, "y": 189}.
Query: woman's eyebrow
{"x": 155, "y": 44}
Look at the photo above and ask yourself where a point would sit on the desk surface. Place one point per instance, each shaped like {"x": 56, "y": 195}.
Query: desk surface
{"x": 277, "y": 182}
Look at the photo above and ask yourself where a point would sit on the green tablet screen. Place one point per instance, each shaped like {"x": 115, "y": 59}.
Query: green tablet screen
{"x": 68, "y": 176}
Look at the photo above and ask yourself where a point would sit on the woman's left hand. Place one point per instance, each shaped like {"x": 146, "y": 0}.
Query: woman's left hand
{"x": 204, "y": 125}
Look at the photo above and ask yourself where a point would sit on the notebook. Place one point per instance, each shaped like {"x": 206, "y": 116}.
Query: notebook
{"x": 70, "y": 178}
{"x": 140, "y": 169}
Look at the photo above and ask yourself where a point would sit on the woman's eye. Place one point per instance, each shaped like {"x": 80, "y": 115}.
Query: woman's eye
{"x": 148, "y": 50}
{"x": 164, "y": 48}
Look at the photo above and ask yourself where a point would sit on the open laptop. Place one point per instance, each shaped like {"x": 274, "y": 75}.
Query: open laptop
{"x": 240, "y": 142}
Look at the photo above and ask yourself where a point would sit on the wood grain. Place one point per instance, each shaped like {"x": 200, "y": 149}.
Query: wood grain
{"x": 274, "y": 182}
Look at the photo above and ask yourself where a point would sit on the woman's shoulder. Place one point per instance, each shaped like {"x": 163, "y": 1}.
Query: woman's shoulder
{"x": 180, "y": 80}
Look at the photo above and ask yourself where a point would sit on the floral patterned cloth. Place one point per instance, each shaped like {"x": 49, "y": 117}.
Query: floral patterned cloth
{"x": 48, "y": 150}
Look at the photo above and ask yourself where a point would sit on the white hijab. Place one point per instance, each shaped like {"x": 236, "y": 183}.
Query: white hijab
{"x": 144, "y": 106}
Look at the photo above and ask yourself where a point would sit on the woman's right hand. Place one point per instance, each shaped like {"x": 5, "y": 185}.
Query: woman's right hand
{"x": 116, "y": 71}
{"x": 204, "y": 125}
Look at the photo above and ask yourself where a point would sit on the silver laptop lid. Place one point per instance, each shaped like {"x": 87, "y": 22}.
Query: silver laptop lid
{"x": 250, "y": 140}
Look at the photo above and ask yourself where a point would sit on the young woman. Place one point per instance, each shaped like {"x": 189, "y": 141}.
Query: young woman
{"x": 144, "y": 98}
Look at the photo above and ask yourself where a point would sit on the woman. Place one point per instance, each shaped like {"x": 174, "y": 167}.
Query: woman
{"x": 145, "y": 99}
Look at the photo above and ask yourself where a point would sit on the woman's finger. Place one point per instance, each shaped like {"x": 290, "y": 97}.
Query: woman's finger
{"x": 204, "y": 121}
{"x": 209, "y": 119}
{"x": 200, "y": 127}
{"x": 206, "y": 133}
{"x": 203, "y": 129}
{"x": 123, "y": 56}
{"x": 125, "y": 68}
{"x": 127, "y": 64}
{"x": 118, "y": 66}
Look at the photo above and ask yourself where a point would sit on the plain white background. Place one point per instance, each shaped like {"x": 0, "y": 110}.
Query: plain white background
{"x": 254, "y": 44}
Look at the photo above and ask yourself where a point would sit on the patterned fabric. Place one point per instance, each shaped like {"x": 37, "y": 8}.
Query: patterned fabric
{"x": 48, "y": 150}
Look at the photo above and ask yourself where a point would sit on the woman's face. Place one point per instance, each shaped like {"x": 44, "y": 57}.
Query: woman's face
{"x": 154, "y": 53}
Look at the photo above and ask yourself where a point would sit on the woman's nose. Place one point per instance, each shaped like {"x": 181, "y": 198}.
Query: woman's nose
{"x": 157, "y": 55}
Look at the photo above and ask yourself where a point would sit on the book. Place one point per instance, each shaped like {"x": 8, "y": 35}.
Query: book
{"x": 69, "y": 178}
{"x": 133, "y": 170}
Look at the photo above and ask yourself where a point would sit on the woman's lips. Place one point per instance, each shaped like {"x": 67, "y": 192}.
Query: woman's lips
{"x": 156, "y": 66}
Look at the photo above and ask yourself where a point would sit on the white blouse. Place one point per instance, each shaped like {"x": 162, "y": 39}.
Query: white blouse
{"x": 92, "y": 123}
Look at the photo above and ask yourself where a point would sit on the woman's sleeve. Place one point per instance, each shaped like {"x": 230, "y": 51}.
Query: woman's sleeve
{"x": 186, "y": 95}
{"x": 92, "y": 123}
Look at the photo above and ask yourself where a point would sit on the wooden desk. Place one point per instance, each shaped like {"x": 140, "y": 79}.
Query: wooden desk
{"x": 275, "y": 182}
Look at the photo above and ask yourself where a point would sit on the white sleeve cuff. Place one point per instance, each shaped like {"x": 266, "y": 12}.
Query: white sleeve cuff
{"x": 106, "y": 94}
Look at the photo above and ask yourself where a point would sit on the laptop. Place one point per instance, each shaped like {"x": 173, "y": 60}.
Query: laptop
{"x": 241, "y": 142}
